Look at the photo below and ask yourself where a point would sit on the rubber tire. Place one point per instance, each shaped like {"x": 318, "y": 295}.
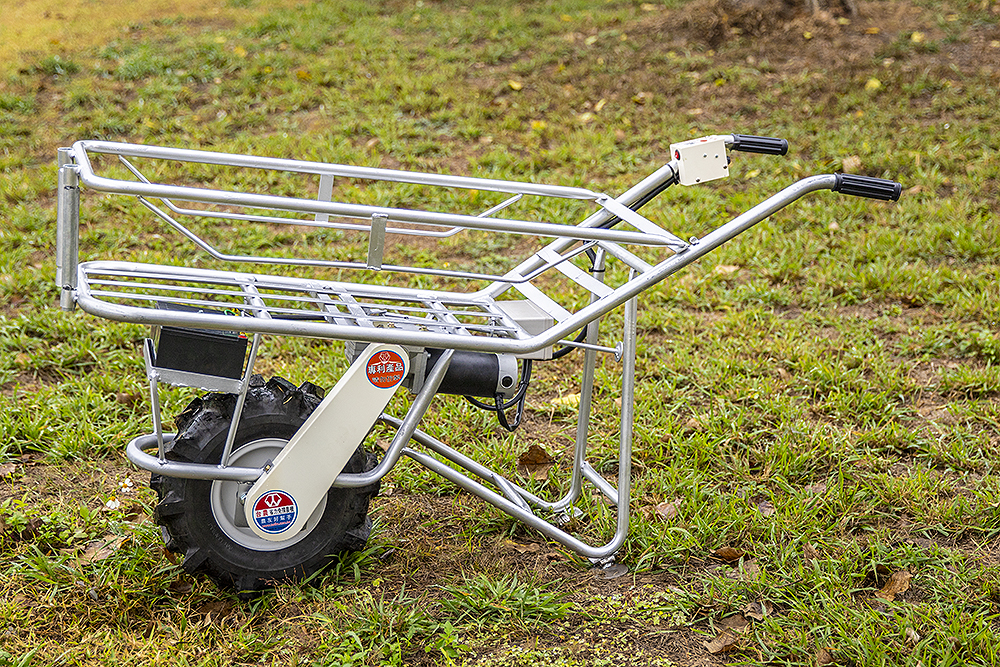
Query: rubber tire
{"x": 274, "y": 409}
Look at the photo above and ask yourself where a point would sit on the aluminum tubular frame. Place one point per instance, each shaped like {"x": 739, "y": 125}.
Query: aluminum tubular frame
{"x": 418, "y": 318}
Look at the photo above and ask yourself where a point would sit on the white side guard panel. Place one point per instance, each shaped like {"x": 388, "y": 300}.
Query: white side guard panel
{"x": 283, "y": 498}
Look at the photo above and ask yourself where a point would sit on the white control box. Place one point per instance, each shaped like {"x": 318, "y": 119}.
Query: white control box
{"x": 701, "y": 160}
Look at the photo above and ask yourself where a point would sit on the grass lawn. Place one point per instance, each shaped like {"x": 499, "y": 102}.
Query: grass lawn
{"x": 817, "y": 432}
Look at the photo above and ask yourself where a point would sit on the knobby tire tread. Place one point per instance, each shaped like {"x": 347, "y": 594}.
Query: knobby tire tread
{"x": 276, "y": 409}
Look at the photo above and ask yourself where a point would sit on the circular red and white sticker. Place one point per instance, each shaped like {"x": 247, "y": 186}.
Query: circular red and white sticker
{"x": 385, "y": 369}
{"x": 275, "y": 512}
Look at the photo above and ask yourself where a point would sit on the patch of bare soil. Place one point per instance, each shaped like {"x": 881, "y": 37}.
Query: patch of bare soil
{"x": 776, "y": 42}
{"x": 822, "y": 53}
{"x": 431, "y": 546}
{"x": 792, "y": 37}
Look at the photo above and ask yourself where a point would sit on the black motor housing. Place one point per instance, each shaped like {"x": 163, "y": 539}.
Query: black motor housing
{"x": 480, "y": 374}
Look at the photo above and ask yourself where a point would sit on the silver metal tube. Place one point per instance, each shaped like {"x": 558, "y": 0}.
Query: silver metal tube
{"x": 594, "y": 477}
{"x": 294, "y": 261}
{"x": 587, "y": 346}
{"x": 561, "y": 330}
{"x": 241, "y": 399}
{"x": 135, "y": 451}
{"x": 321, "y": 219}
{"x": 376, "y": 242}
{"x": 154, "y": 397}
{"x": 515, "y": 510}
{"x": 696, "y": 251}
{"x": 627, "y": 258}
{"x": 67, "y": 230}
{"x": 627, "y": 421}
{"x": 81, "y": 148}
{"x": 586, "y": 398}
{"x": 510, "y": 490}
{"x": 468, "y": 464}
{"x": 636, "y": 193}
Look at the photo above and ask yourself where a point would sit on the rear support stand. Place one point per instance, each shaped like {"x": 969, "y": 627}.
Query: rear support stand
{"x": 518, "y": 502}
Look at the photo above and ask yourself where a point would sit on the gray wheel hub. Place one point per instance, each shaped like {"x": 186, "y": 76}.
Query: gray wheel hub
{"x": 228, "y": 510}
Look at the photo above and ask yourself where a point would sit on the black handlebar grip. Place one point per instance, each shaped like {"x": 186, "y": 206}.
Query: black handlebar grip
{"x": 866, "y": 186}
{"x": 749, "y": 143}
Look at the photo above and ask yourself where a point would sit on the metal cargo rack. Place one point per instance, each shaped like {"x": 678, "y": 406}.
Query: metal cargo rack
{"x": 572, "y": 275}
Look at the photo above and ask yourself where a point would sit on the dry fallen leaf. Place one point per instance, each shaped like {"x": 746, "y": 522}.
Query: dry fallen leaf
{"x": 766, "y": 508}
{"x": 666, "y": 510}
{"x": 130, "y": 399}
{"x": 817, "y": 488}
{"x": 725, "y": 270}
{"x": 736, "y": 623}
{"x": 181, "y": 585}
{"x": 726, "y": 641}
{"x": 758, "y": 610}
{"x": 219, "y": 608}
{"x": 569, "y": 401}
{"x": 898, "y": 583}
{"x": 535, "y": 463}
{"x": 729, "y": 554}
{"x": 912, "y": 636}
{"x": 809, "y": 552}
{"x": 824, "y": 657}
{"x": 101, "y": 549}
{"x": 7, "y": 469}
{"x": 529, "y": 548}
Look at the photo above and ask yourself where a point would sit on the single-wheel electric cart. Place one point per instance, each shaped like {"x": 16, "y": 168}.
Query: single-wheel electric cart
{"x": 266, "y": 481}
